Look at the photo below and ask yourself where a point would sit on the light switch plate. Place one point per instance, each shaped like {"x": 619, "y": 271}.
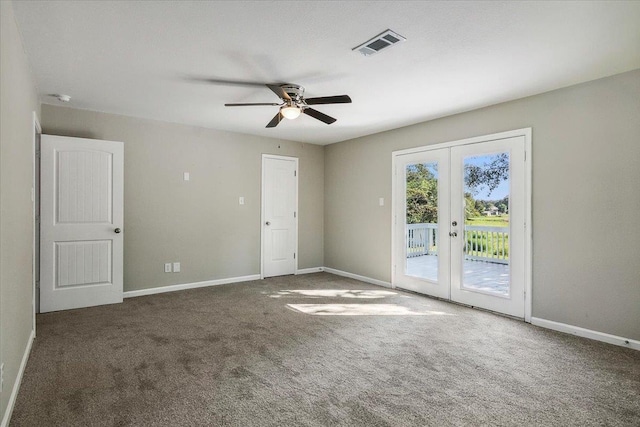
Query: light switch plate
{"x": 167, "y": 267}
{"x": 176, "y": 267}
{"x": 186, "y": 176}
{"x": 241, "y": 200}
{"x": 381, "y": 201}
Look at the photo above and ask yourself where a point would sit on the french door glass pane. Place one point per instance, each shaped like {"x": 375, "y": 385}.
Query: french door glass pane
{"x": 421, "y": 234}
{"x": 486, "y": 227}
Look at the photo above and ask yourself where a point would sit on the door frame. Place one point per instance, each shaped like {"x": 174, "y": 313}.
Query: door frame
{"x": 528, "y": 237}
{"x": 262, "y": 219}
{"x": 35, "y": 201}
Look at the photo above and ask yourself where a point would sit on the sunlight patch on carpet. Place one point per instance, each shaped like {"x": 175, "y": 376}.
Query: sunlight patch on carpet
{"x": 330, "y": 293}
{"x": 362, "y": 310}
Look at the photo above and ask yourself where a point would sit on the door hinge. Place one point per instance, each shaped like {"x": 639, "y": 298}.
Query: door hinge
{"x": 37, "y": 284}
{"x": 38, "y": 153}
{"x": 294, "y": 255}
{"x": 525, "y": 156}
{"x": 295, "y": 173}
{"x": 294, "y": 215}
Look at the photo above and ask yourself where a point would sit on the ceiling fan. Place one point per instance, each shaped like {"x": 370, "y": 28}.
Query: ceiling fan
{"x": 294, "y": 103}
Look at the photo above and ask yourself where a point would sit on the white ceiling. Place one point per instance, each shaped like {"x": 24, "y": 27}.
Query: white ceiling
{"x": 144, "y": 58}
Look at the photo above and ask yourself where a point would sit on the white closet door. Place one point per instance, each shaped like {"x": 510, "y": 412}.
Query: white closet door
{"x": 279, "y": 215}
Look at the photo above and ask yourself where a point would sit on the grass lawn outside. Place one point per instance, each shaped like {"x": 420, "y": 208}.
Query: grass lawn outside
{"x": 489, "y": 221}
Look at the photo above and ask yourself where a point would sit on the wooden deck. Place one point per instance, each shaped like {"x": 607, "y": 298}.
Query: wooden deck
{"x": 478, "y": 275}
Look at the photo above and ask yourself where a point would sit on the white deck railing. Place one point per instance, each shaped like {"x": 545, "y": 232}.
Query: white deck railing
{"x": 482, "y": 243}
{"x": 422, "y": 239}
{"x": 487, "y": 243}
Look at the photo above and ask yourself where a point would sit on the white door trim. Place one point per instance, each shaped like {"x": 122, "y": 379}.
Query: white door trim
{"x": 262, "y": 219}
{"x": 524, "y": 132}
{"x": 35, "y": 195}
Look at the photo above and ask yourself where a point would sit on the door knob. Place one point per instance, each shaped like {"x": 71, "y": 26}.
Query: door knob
{"x": 453, "y": 234}
{"x": 117, "y": 231}
{"x": 267, "y": 223}
{"x": 454, "y": 223}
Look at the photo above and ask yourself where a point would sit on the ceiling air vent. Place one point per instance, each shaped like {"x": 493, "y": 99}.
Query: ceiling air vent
{"x": 379, "y": 42}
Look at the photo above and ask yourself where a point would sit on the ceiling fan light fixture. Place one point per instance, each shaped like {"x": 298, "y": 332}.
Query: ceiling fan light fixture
{"x": 293, "y": 103}
{"x": 290, "y": 112}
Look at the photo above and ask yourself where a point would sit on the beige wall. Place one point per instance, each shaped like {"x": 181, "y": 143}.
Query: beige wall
{"x": 586, "y": 198}
{"x": 18, "y": 101}
{"x": 198, "y": 223}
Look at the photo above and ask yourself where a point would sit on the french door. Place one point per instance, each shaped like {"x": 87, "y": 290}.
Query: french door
{"x": 459, "y": 223}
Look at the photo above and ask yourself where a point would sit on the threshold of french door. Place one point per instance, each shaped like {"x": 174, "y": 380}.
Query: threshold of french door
{"x": 460, "y": 304}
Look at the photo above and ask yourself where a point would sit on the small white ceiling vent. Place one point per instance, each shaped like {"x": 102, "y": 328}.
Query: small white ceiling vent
{"x": 379, "y": 42}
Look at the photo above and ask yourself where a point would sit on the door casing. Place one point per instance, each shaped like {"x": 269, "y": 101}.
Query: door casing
{"x": 395, "y": 197}
{"x": 35, "y": 200}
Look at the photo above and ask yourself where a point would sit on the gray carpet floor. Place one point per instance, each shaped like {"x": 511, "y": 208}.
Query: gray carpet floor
{"x": 316, "y": 350}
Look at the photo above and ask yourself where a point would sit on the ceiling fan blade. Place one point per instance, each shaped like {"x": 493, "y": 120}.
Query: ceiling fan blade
{"x": 318, "y": 115}
{"x": 222, "y": 82}
{"x": 279, "y": 91}
{"x": 338, "y": 99}
{"x": 276, "y": 119}
{"x": 251, "y": 104}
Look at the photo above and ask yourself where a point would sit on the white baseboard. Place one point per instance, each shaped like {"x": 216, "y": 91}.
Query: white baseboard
{"x": 17, "y": 382}
{"x": 181, "y": 287}
{"x": 310, "y": 270}
{"x": 357, "y": 277}
{"x": 587, "y": 333}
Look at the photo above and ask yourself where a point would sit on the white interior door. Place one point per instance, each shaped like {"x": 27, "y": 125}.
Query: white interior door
{"x": 459, "y": 223}
{"x": 279, "y": 215}
{"x": 81, "y": 238}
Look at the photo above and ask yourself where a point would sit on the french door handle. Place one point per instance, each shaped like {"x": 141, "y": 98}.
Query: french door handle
{"x": 267, "y": 223}
{"x": 117, "y": 231}
{"x": 453, "y": 234}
